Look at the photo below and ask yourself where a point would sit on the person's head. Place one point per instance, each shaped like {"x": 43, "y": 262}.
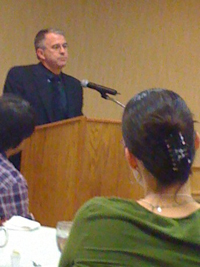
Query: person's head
{"x": 158, "y": 130}
{"x": 51, "y": 49}
{"x": 17, "y": 121}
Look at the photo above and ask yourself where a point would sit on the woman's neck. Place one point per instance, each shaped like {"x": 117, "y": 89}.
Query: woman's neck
{"x": 175, "y": 190}
{"x": 175, "y": 201}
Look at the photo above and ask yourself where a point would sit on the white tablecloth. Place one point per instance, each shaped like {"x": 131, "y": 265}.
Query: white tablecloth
{"x": 37, "y": 245}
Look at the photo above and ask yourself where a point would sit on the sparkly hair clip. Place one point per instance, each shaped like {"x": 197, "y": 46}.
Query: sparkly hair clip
{"x": 140, "y": 96}
{"x": 146, "y": 93}
{"x": 177, "y": 149}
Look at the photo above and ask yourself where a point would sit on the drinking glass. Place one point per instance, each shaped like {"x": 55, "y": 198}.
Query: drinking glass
{"x": 62, "y": 232}
{"x": 3, "y": 236}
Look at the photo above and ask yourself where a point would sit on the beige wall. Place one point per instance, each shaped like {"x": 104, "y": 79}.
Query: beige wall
{"x": 128, "y": 45}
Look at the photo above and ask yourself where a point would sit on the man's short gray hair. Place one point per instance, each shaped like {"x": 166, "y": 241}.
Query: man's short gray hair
{"x": 40, "y": 36}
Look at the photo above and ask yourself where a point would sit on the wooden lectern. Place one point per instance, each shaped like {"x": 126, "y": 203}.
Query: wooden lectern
{"x": 68, "y": 162}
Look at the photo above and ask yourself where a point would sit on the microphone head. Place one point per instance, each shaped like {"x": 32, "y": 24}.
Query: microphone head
{"x": 84, "y": 83}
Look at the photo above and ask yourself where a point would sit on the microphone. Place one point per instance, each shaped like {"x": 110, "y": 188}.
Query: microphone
{"x": 100, "y": 88}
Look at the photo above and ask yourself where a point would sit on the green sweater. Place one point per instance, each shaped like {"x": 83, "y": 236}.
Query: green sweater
{"x": 118, "y": 232}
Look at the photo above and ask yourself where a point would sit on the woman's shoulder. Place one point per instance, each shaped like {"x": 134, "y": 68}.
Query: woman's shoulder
{"x": 108, "y": 202}
{"x": 107, "y": 206}
{"x": 116, "y": 207}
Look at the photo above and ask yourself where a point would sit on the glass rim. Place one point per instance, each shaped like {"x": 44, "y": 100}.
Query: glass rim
{"x": 64, "y": 222}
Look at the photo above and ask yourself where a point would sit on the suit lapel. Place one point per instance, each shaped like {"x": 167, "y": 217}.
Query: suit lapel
{"x": 42, "y": 89}
{"x": 64, "y": 81}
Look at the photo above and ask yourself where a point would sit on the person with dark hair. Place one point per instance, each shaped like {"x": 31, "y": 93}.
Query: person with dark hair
{"x": 53, "y": 94}
{"x": 17, "y": 122}
{"x": 162, "y": 228}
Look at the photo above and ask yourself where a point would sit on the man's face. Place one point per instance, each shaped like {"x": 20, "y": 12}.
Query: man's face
{"x": 54, "y": 54}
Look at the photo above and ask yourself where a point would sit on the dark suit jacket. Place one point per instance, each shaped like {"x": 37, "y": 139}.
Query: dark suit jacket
{"x": 30, "y": 82}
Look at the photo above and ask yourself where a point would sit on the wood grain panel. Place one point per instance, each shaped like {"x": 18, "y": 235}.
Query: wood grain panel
{"x": 107, "y": 171}
{"x": 195, "y": 183}
{"x": 52, "y": 169}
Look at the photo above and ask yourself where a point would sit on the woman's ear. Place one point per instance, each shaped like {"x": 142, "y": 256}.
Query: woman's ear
{"x": 130, "y": 158}
{"x": 197, "y": 140}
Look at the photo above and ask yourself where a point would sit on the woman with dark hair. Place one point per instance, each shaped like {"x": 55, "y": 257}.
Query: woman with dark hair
{"x": 161, "y": 229}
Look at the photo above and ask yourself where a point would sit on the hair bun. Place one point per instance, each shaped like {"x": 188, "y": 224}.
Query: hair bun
{"x": 156, "y": 126}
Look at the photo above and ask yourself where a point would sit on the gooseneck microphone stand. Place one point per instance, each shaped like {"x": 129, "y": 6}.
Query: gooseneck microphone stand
{"x": 107, "y": 97}
{"x": 104, "y": 91}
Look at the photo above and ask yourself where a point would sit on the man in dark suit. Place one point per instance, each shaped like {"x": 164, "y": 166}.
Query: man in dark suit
{"x": 53, "y": 95}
